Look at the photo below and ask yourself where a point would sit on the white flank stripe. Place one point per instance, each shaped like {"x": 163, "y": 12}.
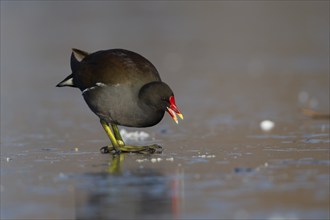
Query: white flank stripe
{"x": 86, "y": 90}
{"x": 98, "y": 84}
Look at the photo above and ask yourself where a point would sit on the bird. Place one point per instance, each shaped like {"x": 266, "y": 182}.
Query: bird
{"x": 122, "y": 88}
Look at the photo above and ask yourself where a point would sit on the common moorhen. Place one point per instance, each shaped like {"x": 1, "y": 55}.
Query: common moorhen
{"x": 122, "y": 88}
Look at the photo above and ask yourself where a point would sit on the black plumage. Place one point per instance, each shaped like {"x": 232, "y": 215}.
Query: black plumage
{"x": 122, "y": 88}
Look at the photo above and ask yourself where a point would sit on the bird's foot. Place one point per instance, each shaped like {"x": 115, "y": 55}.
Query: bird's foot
{"x": 149, "y": 149}
{"x": 109, "y": 150}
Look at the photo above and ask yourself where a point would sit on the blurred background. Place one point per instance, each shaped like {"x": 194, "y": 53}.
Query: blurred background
{"x": 199, "y": 48}
{"x": 231, "y": 65}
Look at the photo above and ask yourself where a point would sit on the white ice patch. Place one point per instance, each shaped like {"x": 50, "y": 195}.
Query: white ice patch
{"x": 134, "y": 135}
{"x": 154, "y": 160}
{"x": 267, "y": 125}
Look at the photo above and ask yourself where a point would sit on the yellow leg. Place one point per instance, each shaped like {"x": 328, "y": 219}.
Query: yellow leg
{"x": 112, "y": 138}
{"x": 117, "y": 135}
{"x": 119, "y": 145}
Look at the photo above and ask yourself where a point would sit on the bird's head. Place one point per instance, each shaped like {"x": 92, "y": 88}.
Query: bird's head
{"x": 160, "y": 97}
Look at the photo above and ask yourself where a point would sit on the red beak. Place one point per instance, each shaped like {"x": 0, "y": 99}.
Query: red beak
{"x": 173, "y": 110}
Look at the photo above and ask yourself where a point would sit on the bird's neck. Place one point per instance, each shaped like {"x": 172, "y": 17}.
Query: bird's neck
{"x": 149, "y": 114}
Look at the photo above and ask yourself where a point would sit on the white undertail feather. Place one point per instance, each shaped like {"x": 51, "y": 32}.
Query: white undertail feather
{"x": 68, "y": 82}
{"x": 79, "y": 54}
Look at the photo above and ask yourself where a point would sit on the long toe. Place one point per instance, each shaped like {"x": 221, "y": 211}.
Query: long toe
{"x": 153, "y": 149}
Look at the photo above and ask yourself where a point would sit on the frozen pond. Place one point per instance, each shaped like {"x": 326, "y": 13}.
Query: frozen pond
{"x": 231, "y": 65}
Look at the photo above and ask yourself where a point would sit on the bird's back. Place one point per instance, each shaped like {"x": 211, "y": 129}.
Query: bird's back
{"x": 114, "y": 67}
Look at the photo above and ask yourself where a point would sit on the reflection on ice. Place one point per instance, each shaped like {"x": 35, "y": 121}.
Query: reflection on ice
{"x": 139, "y": 193}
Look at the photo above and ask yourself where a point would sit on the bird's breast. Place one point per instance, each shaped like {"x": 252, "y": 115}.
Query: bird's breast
{"x": 119, "y": 104}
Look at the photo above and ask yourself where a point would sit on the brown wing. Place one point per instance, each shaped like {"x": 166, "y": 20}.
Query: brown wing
{"x": 116, "y": 66}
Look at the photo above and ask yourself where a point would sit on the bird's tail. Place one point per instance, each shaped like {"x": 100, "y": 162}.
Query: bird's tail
{"x": 68, "y": 81}
{"x": 76, "y": 57}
